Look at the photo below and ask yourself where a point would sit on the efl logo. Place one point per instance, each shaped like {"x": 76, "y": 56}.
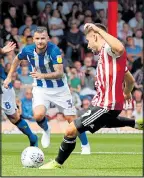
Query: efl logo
{"x": 59, "y": 59}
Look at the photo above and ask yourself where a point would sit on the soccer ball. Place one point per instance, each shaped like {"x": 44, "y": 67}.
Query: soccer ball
{"x": 32, "y": 157}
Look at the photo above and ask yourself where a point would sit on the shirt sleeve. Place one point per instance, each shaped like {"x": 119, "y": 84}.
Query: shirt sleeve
{"x": 126, "y": 69}
{"x": 110, "y": 52}
{"x": 56, "y": 56}
{"x": 22, "y": 54}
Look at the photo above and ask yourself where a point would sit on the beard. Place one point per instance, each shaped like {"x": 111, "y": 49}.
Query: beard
{"x": 41, "y": 48}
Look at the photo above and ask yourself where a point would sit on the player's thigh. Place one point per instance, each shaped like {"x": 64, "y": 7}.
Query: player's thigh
{"x": 39, "y": 102}
{"x": 64, "y": 102}
{"x": 70, "y": 118}
{"x": 94, "y": 119}
{"x": 69, "y": 113}
{"x": 8, "y": 102}
{"x": 113, "y": 118}
{"x": 14, "y": 118}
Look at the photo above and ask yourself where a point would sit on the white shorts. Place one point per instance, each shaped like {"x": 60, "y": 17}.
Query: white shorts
{"x": 8, "y": 101}
{"x": 61, "y": 97}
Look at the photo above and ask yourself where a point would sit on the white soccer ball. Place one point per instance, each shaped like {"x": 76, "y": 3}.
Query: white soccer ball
{"x": 32, "y": 157}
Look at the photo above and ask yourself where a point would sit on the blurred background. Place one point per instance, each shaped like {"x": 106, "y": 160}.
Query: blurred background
{"x": 65, "y": 22}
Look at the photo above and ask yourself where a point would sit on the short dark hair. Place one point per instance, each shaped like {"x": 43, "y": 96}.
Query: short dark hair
{"x": 99, "y": 25}
{"x": 40, "y": 29}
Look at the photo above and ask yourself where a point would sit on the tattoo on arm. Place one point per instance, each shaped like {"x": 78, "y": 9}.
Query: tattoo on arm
{"x": 58, "y": 72}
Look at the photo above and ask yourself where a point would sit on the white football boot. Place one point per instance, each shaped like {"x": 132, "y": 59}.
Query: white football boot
{"x": 85, "y": 149}
{"x": 45, "y": 140}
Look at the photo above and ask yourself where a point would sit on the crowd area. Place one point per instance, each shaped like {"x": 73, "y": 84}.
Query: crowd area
{"x": 65, "y": 24}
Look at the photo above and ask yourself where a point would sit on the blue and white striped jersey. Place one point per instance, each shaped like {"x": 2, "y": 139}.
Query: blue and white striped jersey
{"x": 44, "y": 64}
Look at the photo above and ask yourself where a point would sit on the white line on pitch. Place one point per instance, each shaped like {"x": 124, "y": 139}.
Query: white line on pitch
{"x": 118, "y": 153}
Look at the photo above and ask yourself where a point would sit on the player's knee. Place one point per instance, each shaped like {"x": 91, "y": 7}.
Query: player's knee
{"x": 70, "y": 118}
{"x": 14, "y": 118}
{"x": 71, "y": 131}
{"x": 38, "y": 116}
{"x": 39, "y": 112}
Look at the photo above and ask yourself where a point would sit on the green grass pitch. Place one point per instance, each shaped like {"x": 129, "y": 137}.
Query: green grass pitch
{"x": 112, "y": 155}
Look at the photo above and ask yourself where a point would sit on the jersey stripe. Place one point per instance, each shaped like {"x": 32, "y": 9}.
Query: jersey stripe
{"x": 100, "y": 83}
{"x": 106, "y": 99}
{"x": 37, "y": 61}
{"x": 111, "y": 75}
{"x": 42, "y": 69}
{"x": 60, "y": 82}
{"x": 100, "y": 67}
{"x": 32, "y": 62}
{"x": 102, "y": 73}
{"x": 114, "y": 83}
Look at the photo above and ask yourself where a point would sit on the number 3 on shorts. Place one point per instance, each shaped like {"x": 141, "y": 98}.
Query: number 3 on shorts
{"x": 69, "y": 103}
{"x": 7, "y": 105}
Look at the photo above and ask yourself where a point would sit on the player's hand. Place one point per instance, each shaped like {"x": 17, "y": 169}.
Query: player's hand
{"x": 128, "y": 97}
{"x": 36, "y": 75}
{"x": 6, "y": 82}
{"x": 9, "y": 47}
{"x": 89, "y": 26}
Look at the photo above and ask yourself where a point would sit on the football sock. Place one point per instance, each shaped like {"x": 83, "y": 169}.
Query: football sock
{"x": 43, "y": 124}
{"x": 23, "y": 126}
{"x": 67, "y": 146}
{"x": 83, "y": 138}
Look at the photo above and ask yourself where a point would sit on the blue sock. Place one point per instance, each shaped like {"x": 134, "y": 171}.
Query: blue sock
{"x": 83, "y": 138}
{"x": 43, "y": 124}
{"x": 23, "y": 126}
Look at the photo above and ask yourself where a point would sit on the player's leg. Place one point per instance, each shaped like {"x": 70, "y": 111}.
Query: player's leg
{"x": 39, "y": 115}
{"x": 83, "y": 137}
{"x": 64, "y": 102}
{"x": 9, "y": 107}
{"x": 23, "y": 127}
{"x": 67, "y": 146}
{"x": 40, "y": 107}
{"x": 92, "y": 120}
{"x": 119, "y": 121}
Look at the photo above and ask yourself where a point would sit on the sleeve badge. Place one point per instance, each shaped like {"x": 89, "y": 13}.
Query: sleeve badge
{"x": 59, "y": 59}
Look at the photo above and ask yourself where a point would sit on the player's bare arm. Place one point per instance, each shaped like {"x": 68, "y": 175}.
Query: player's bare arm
{"x": 9, "y": 47}
{"x": 14, "y": 65}
{"x": 57, "y": 74}
{"x": 129, "y": 85}
{"x": 116, "y": 46}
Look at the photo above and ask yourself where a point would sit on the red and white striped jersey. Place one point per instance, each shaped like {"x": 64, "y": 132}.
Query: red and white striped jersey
{"x": 131, "y": 105}
{"x": 109, "y": 79}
